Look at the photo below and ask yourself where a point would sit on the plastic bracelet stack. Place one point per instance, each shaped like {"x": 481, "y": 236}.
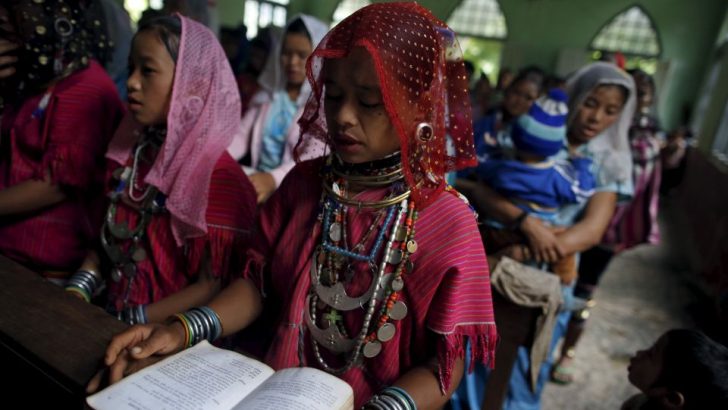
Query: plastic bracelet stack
{"x": 84, "y": 283}
{"x": 391, "y": 398}
{"x": 134, "y": 315}
{"x": 200, "y": 323}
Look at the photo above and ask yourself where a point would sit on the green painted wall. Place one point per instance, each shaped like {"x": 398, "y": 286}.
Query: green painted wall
{"x": 540, "y": 29}
{"x": 687, "y": 32}
{"x": 717, "y": 96}
{"x": 230, "y": 12}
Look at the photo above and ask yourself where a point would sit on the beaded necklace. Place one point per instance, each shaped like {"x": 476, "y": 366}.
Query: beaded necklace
{"x": 114, "y": 235}
{"x": 327, "y": 288}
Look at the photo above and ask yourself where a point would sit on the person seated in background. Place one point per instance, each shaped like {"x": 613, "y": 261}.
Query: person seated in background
{"x": 684, "y": 369}
{"x": 266, "y": 140}
{"x": 480, "y": 97}
{"x": 256, "y": 57}
{"x": 494, "y": 128}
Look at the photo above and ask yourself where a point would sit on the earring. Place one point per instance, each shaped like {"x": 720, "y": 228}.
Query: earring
{"x": 424, "y": 131}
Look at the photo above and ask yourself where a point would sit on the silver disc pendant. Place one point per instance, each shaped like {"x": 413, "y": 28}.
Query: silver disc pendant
{"x": 386, "y": 332}
{"x": 397, "y": 284}
{"x": 335, "y": 232}
{"x": 372, "y": 349}
{"x": 120, "y": 231}
{"x": 411, "y": 246}
{"x": 114, "y": 253}
{"x": 139, "y": 254}
{"x": 395, "y": 256}
{"x": 116, "y": 275}
{"x": 399, "y": 311}
{"x": 130, "y": 270}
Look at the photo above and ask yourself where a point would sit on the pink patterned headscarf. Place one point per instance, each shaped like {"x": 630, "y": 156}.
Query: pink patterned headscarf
{"x": 203, "y": 116}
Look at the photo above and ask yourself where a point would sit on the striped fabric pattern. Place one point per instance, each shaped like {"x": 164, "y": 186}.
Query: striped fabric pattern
{"x": 68, "y": 139}
{"x": 448, "y": 294}
{"x": 168, "y": 268}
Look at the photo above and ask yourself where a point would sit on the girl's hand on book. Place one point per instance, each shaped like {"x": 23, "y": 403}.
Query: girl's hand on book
{"x": 138, "y": 347}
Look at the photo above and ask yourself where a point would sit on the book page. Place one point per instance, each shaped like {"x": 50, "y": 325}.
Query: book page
{"x": 300, "y": 388}
{"x": 201, "y": 377}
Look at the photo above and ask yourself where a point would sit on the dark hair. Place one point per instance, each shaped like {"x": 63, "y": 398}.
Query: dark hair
{"x": 501, "y": 73}
{"x": 637, "y": 73}
{"x": 639, "y": 76}
{"x": 469, "y": 67}
{"x": 624, "y": 91}
{"x": 169, "y": 31}
{"x": 531, "y": 74}
{"x": 697, "y": 367}
{"x": 553, "y": 81}
{"x": 297, "y": 26}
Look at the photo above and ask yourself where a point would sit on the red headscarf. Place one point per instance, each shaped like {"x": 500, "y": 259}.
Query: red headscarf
{"x": 422, "y": 79}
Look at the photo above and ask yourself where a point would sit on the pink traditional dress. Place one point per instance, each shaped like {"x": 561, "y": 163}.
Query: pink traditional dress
{"x": 62, "y": 132}
{"x": 370, "y": 286}
{"x": 59, "y": 111}
{"x": 177, "y": 197}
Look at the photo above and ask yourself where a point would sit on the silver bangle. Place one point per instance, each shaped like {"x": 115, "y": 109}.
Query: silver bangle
{"x": 93, "y": 273}
{"x": 133, "y": 315}
{"x": 214, "y": 321}
{"x": 400, "y": 395}
{"x": 374, "y": 404}
{"x": 85, "y": 281}
{"x": 390, "y": 402}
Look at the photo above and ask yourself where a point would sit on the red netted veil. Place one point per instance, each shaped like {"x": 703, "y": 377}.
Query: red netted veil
{"x": 422, "y": 77}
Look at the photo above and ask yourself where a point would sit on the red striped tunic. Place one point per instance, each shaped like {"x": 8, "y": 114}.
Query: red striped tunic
{"x": 168, "y": 268}
{"x": 448, "y": 293}
{"x": 67, "y": 139}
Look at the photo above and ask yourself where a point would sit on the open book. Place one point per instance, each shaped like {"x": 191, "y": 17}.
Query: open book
{"x": 207, "y": 377}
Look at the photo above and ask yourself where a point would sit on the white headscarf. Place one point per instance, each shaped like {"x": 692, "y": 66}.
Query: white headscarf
{"x": 272, "y": 78}
{"x": 611, "y": 147}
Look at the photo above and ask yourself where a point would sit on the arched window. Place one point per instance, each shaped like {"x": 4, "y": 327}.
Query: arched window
{"x": 479, "y": 18}
{"x": 264, "y": 13}
{"x": 630, "y": 32}
{"x": 481, "y": 28}
{"x": 345, "y": 8}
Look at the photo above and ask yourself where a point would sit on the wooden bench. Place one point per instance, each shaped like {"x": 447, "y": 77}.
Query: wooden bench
{"x": 51, "y": 343}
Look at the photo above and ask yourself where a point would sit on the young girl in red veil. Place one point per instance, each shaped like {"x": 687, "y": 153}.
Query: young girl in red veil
{"x": 366, "y": 265}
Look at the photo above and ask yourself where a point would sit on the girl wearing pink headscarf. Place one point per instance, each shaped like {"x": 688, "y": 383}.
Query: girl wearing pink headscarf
{"x": 180, "y": 205}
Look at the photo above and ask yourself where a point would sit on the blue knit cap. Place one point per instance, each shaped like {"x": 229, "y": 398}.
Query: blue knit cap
{"x": 542, "y": 131}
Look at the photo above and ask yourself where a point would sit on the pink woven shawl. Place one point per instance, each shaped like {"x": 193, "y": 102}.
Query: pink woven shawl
{"x": 203, "y": 116}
